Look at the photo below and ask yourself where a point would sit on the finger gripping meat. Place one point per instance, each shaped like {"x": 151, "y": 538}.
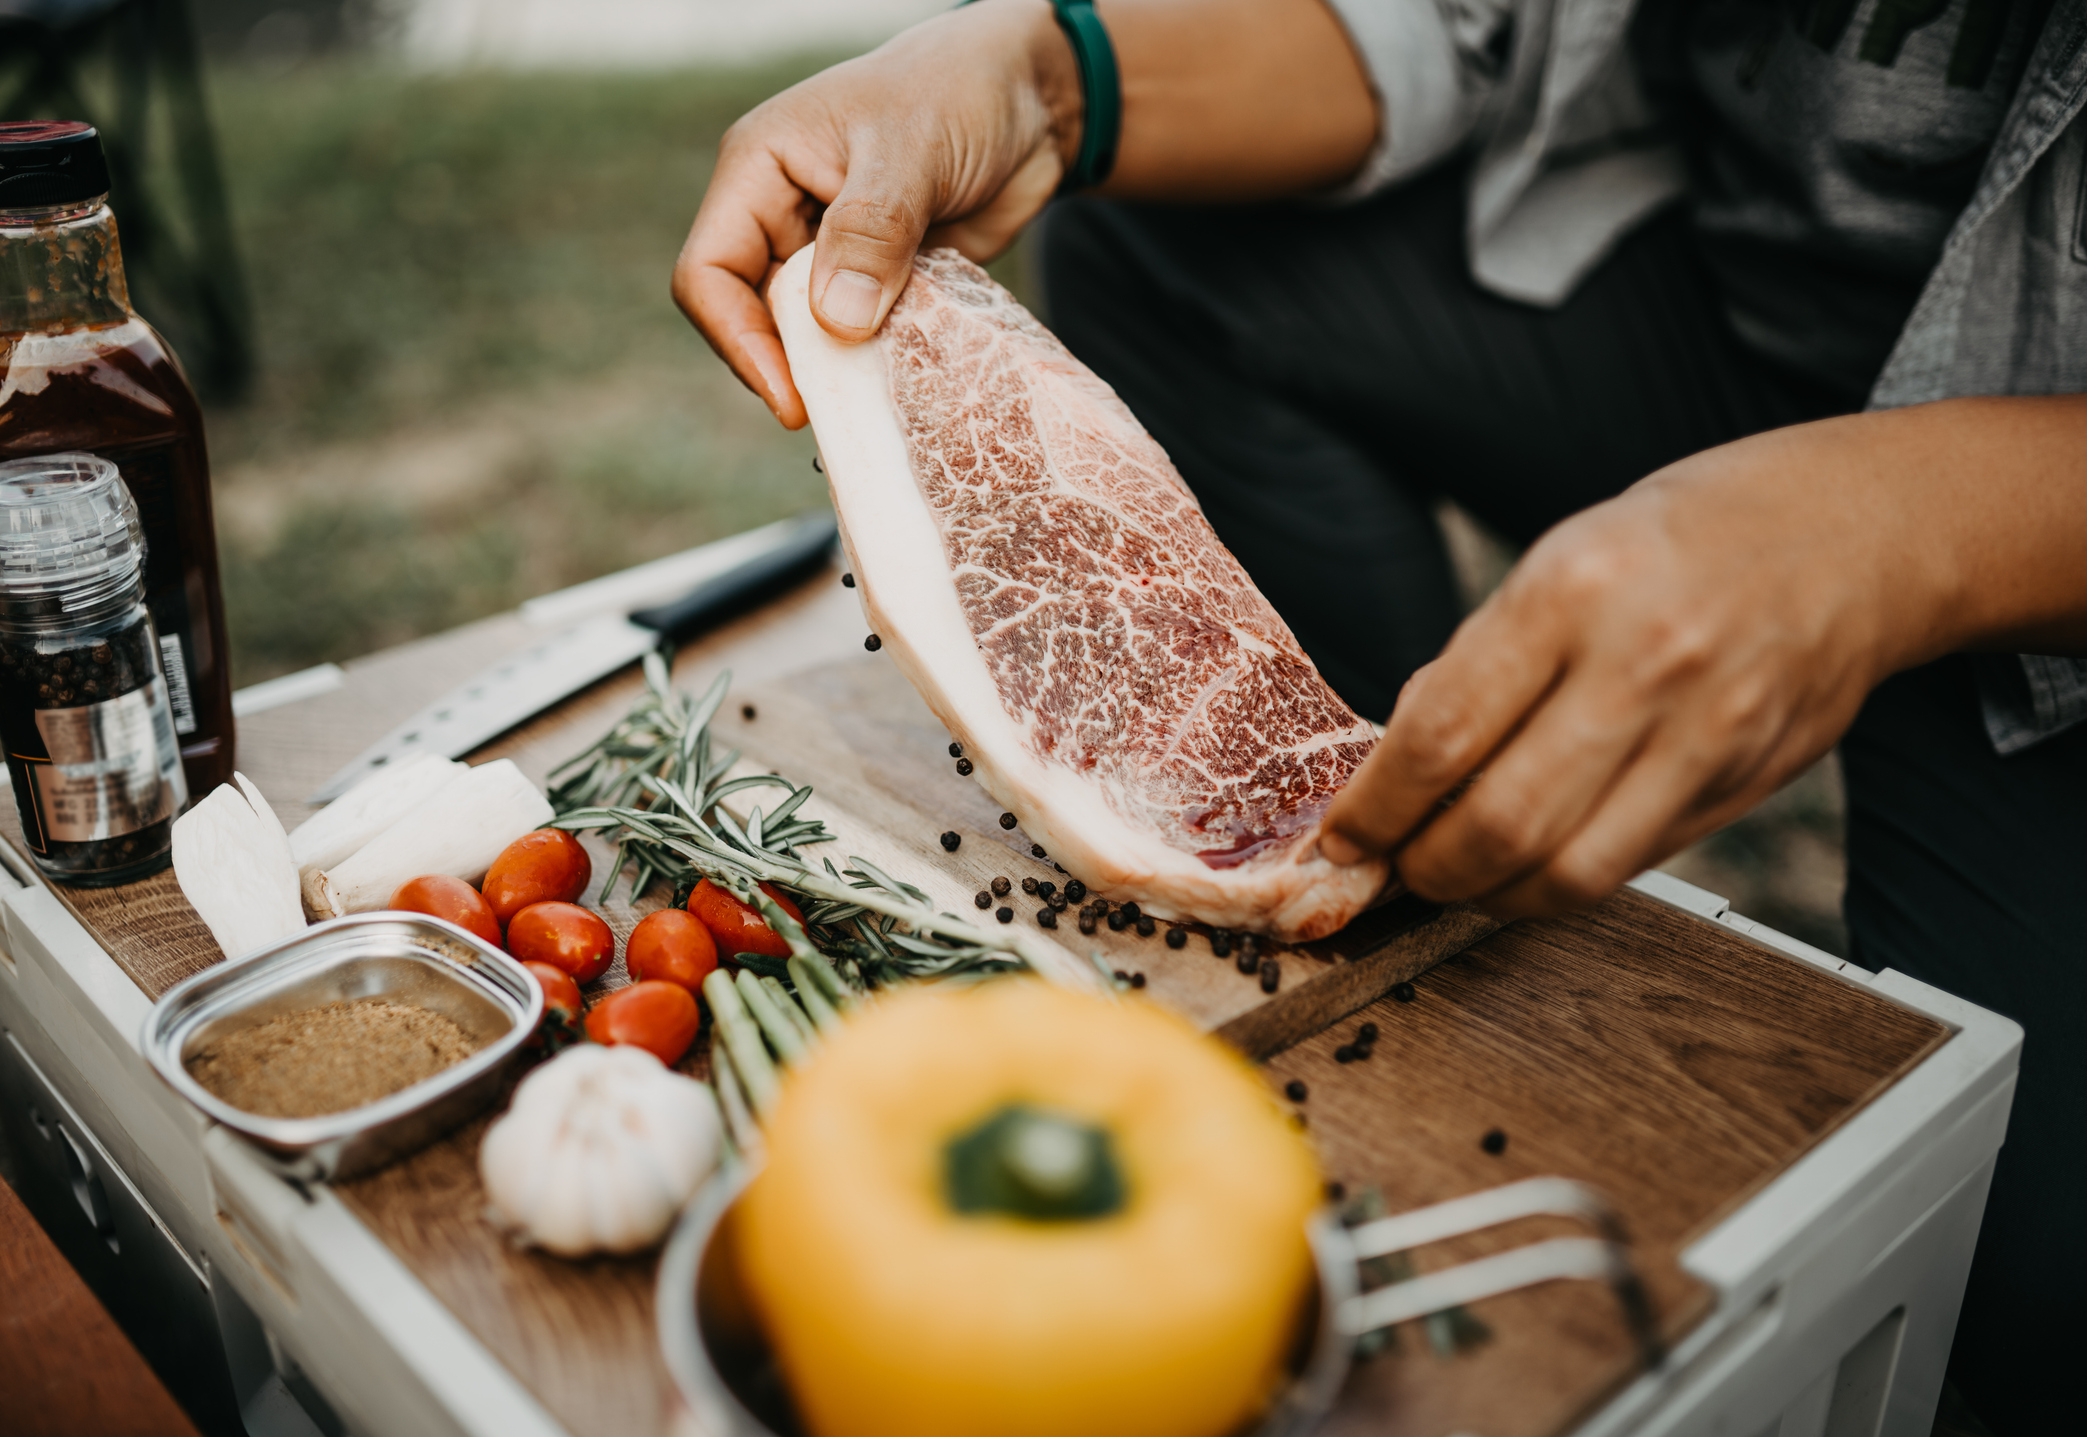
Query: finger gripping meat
{"x": 1039, "y": 571}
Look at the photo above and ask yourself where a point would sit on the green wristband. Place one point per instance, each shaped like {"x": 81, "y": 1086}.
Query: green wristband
{"x": 1101, "y": 92}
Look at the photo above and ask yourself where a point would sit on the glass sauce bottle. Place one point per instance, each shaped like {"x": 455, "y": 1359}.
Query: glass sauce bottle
{"x": 83, "y": 372}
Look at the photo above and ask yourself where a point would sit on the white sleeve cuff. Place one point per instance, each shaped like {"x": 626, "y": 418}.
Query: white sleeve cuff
{"x": 1423, "y": 109}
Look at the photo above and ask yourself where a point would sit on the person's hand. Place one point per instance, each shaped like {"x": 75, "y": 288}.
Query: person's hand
{"x": 1659, "y": 664}
{"x": 956, "y": 133}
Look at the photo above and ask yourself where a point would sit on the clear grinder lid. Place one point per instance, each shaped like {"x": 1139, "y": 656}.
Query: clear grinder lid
{"x": 68, "y": 530}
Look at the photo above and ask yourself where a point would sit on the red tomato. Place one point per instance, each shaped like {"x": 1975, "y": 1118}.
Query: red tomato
{"x": 737, "y": 927}
{"x": 440, "y": 896}
{"x": 565, "y": 936}
{"x": 562, "y": 1007}
{"x": 672, "y": 946}
{"x": 546, "y": 866}
{"x": 659, "y": 1017}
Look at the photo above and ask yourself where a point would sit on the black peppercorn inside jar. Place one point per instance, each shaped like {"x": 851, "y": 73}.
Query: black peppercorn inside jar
{"x": 83, "y": 707}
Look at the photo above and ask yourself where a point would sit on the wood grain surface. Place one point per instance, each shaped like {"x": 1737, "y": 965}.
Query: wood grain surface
{"x": 1668, "y": 1061}
{"x": 65, "y": 1366}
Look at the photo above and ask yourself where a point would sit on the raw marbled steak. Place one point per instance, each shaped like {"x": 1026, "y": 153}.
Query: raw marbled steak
{"x": 1042, "y": 575}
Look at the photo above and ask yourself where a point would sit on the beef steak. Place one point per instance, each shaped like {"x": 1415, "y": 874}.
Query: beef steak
{"x": 1033, "y": 562}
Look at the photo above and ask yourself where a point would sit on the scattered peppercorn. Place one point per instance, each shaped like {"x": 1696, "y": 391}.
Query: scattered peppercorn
{"x": 1494, "y": 1142}
{"x": 1248, "y": 943}
{"x": 847, "y": 581}
{"x": 1367, "y": 1032}
{"x": 982, "y": 898}
{"x": 1271, "y": 975}
{"x": 1137, "y": 980}
{"x": 1248, "y": 962}
{"x": 817, "y": 467}
{"x": 1121, "y": 976}
{"x": 1131, "y": 912}
{"x": 873, "y": 643}
{"x": 1057, "y": 902}
{"x": 1344, "y": 1054}
{"x": 964, "y": 768}
{"x": 1005, "y": 915}
{"x": 746, "y": 711}
{"x": 1402, "y": 991}
{"x": 1295, "y": 1090}
{"x": 1221, "y": 943}
{"x": 1336, "y": 1191}
{"x": 1047, "y": 917}
{"x": 1046, "y": 888}
{"x": 1087, "y": 923}
{"x": 1177, "y": 938}
{"x": 1116, "y": 921}
{"x": 950, "y": 840}
{"x": 1000, "y": 887}
{"x": 956, "y": 750}
{"x": 1076, "y": 891}
{"x": 1036, "y": 850}
{"x": 1008, "y": 820}
{"x": 1146, "y": 927}
{"x": 1029, "y": 885}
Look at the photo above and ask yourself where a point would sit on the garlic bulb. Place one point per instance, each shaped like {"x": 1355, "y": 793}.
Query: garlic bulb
{"x": 600, "y": 1149}
{"x": 366, "y": 810}
{"x": 233, "y": 863}
{"x": 459, "y": 829}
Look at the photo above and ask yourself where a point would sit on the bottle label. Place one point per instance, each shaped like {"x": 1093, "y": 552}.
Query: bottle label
{"x": 115, "y": 767}
{"x": 176, "y": 669}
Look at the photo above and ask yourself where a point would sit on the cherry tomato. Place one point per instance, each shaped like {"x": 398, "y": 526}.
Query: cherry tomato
{"x": 440, "y": 896}
{"x": 565, "y": 936}
{"x": 541, "y": 867}
{"x": 561, "y": 1007}
{"x": 672, "y": 946}
{"x": 735, "y": 926}
{"x": 659, "y": 1017}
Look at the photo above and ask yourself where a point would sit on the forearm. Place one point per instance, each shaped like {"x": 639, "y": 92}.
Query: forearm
{"x": 1236, "y": 99}
{"x": 1971, "y": 515}
{"x": 1222, "y": 99}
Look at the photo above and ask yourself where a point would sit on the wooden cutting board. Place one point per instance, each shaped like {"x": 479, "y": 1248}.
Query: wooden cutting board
{"x": 1670, "y": 1062}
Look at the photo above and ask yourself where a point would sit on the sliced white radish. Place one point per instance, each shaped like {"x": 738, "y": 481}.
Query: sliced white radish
{"x": 459, "y": 830}
{"x": 336, "y": 831}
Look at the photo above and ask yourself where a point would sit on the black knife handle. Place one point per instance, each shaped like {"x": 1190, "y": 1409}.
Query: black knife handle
{"x": 729, "y": 594}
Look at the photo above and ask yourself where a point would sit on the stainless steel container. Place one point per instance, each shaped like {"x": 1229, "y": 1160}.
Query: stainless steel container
{"x": 732, "y": 1387}
{"x": 402, "y": 957}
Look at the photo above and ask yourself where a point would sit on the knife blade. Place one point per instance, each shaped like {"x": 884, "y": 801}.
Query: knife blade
{"x": 524, "y": 684}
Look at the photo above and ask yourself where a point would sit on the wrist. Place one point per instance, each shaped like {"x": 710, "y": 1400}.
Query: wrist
{"x": 1054, "y": 78}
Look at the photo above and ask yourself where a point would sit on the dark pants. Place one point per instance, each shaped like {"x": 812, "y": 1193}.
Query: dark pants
{"x": 1322, "y": 376}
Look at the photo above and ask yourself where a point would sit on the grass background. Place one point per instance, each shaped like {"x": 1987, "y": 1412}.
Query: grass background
{"x": 471, "y": 384}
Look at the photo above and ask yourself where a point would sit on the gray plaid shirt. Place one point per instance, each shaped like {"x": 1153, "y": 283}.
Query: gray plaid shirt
{"x": 1570, "y": 158}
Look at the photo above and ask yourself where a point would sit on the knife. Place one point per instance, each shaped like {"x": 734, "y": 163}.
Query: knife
{"x": 526, "y": 683}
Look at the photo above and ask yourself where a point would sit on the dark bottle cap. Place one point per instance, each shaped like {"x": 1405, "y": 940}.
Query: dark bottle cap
{"x": 50, "y": 162}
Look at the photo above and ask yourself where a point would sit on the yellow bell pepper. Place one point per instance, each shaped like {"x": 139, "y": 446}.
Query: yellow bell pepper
{"x": 1016, "y": 1211}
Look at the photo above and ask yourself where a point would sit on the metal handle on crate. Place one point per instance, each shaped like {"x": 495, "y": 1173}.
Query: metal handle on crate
{"x": 1605, "y": 1258}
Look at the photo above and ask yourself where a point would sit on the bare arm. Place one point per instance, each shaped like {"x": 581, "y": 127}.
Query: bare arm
{"x": 959, "y": 131}
{"x": 1660, "y": 663}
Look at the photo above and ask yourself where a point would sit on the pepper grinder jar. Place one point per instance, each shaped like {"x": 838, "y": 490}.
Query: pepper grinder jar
{"x": 90, "y": 737}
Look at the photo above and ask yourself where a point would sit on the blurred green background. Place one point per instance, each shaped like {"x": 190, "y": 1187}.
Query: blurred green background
{"x": 469, "y": 384}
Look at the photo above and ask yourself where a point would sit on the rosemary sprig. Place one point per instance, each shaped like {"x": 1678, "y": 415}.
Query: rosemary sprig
{"x": 654, "y": 784}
